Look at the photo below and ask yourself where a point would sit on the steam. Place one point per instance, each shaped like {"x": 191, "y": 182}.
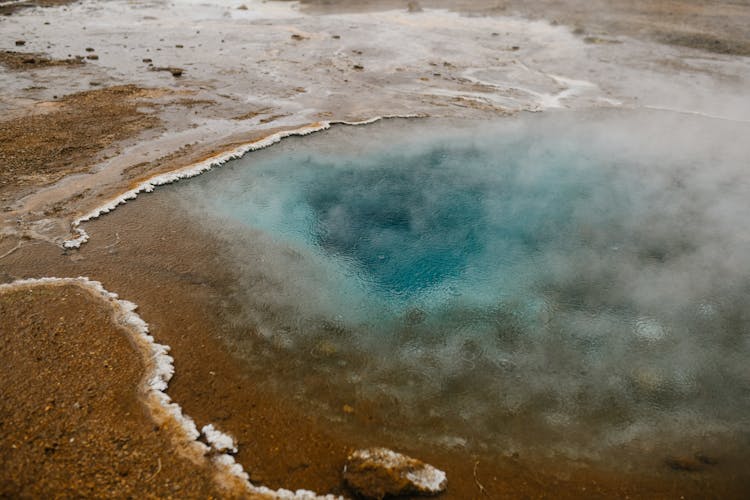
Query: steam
{"x": 563, "y": 280}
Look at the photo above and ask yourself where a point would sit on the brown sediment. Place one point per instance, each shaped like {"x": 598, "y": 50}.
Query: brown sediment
{"x": 711, "y": 42}
{"x": 719, "y": 27}
{"x": 66, "y": 136}
{"x": 32, "y": 60}
{"x": 271, "y": 118}
{"x": 250, "y": 114}
{"x": 713, "y": 26}
{"x": 72, "y": 420}
{"x": 6, "y": 10}
{"x": 153, "y": 254}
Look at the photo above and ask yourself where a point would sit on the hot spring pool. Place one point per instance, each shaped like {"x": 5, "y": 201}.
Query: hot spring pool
{"x": 562, "y": 282}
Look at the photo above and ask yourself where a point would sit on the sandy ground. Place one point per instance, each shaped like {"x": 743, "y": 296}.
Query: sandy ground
{"x": 41, "y": 148}
{"x": 71, "y": 420}
{"x": 74, "y": 134}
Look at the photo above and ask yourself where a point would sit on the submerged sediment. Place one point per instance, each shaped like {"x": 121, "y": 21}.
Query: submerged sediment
{"x": 79, "y": 407}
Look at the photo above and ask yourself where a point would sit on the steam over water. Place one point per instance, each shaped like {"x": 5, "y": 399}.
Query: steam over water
{"x": 565, "y": 281}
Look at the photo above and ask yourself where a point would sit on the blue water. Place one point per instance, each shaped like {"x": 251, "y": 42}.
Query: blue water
{"x": 560, "y": 276}
{"x": 380, "y": 218}
{"x": 416, "y": 227}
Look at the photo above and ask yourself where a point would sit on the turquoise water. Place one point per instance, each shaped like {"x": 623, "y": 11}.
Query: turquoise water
{"x": 578, "y": 280}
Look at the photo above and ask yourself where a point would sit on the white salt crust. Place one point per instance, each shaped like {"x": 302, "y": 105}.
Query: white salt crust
{"x": 218, "y": 440}
{"x": 203, "y": 166}
{"x": 428, "y": 478}
{"x": 160, "y": 369}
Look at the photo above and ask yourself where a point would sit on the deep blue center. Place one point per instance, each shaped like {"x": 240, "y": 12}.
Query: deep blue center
{"x": 405, "y": 238}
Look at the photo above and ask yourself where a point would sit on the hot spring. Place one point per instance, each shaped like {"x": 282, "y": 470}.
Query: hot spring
{"x": 566, "y": 283}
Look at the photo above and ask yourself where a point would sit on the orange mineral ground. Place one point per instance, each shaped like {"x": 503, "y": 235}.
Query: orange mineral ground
{"x": 73, "y": 421}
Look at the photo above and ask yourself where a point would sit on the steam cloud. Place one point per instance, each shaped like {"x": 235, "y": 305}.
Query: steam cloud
{"x": 572, "y": 279}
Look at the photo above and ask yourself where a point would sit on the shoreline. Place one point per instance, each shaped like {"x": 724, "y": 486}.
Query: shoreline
{"x": 198, "y": 168}
{"x": 153, "y": 386}
{"x": 89, "y": 400}
{"x": 165, "y": 412}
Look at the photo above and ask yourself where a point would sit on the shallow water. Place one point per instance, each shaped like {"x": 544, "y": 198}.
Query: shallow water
{"x": 560, "y": 283}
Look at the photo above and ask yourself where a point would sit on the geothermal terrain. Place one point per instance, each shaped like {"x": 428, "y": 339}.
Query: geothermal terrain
{"x": 104, "y": 102}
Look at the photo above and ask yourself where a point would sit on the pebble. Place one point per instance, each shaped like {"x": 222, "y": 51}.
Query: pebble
{"x": 380, "y": 472}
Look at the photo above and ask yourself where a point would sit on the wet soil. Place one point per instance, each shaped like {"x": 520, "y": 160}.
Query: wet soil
{"x": 71, "y": 420}
{"x": 31, "y": 60}
{"x": 7, "y": 10}
{"x": 63, "y": 137}
{"x": 712, "y": 26}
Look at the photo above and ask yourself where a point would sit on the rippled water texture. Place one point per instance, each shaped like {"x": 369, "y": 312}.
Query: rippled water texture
{"x": 568, "y": 281}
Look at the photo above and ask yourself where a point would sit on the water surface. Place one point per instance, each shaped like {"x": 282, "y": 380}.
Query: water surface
{"x": 565, "y": 283}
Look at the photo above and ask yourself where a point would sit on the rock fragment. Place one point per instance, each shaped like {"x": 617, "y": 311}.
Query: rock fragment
{"x": 380, "y": 472}
{"x": 706, "y": 459}
{"x": 414, "y": 7}
{"x": 685, "y": 464}
{"x": 176, "y": 72}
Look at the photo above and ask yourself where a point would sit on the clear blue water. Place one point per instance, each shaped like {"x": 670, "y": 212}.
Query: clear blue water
{"x": 578, "y": 279}
{"x": 383, "y": 220}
